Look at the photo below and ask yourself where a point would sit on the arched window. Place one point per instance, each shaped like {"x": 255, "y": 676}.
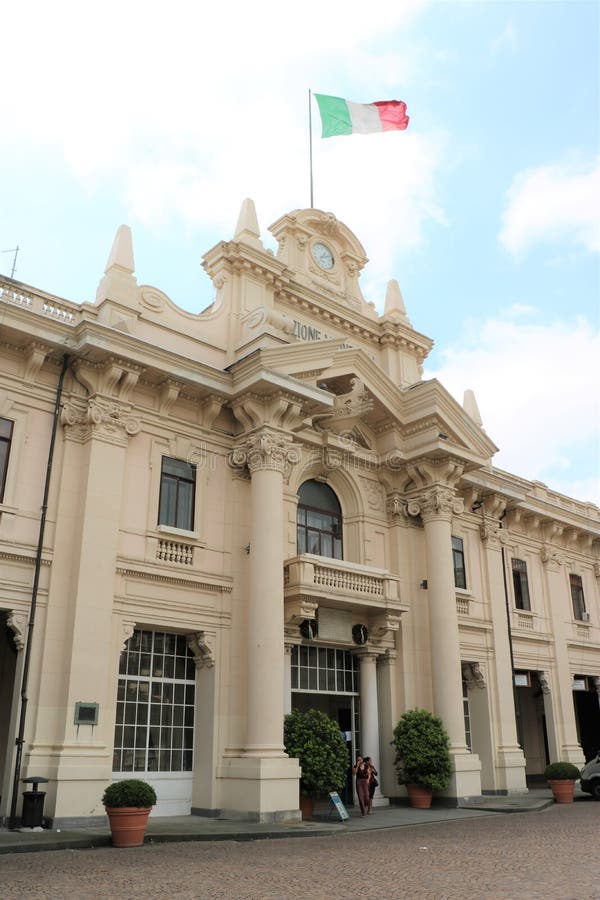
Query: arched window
{"x": 319, "y": 521}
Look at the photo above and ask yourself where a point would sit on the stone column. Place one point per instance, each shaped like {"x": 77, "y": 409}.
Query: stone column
{"x": 264, "y": 781}
{"x": 369, "y": 714}
{"x": 436, "y": 506}
{"x": 508, "y": 760}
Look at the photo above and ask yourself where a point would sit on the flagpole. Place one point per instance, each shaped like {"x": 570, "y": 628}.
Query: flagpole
{"x": 310, "y": 146}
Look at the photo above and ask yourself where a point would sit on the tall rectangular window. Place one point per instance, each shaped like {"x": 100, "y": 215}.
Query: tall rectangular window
{"x": 458, "y": 558}
{"x": 577, "y": 597}
{"x": 467, "y": 714}
{"x": 177, "y": 494}
{"x": 6, "y": 430}
{"x": 520, "y": 585}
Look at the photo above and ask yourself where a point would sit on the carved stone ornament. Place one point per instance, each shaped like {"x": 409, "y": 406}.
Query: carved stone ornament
{"x": 596, "y": 683}
{"x": 544, "y": 683}
{"x": 395, "y": 505}
{"x": 473, "y": 675}
{"x": 435, "y": 503}
{"x": 296, "y": 613}
{"x": 551, "y": 557}
{"x": 492, "y": 534}
{"x": 17, "y": 622}
{"x": 597, "y": 569}
{"x": 101, "y": 417}
{"x": 384, "y": 626}
{"x": 127, "y": 629}
{"x": 266, "y": 450}
{"x": 202, "y": 646}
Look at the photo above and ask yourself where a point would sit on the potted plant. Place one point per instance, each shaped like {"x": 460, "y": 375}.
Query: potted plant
{"x": 316, "y": 741}
{"x": 128, "y": 804}
{"x": 561, "y": 776}
{"x": 422, "y": 761}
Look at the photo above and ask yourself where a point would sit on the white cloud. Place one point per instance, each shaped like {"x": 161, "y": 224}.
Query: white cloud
{"x": 535, "y": 386}
{"x": 507, "y": 39}
{"x": 558, "y": 202}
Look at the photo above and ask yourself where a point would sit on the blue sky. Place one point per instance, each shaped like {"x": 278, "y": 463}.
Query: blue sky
{"x": 486, "y": 209}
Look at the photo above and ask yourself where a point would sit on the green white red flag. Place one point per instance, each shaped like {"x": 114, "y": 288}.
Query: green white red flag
{"x": 344, "y": 117}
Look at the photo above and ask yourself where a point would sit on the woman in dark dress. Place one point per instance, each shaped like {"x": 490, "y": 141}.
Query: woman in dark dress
{"x": 373, "y": 783}
{"x": 361, "y": 770}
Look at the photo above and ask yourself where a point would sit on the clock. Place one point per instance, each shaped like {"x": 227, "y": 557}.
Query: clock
{"x": 322, "y": 255}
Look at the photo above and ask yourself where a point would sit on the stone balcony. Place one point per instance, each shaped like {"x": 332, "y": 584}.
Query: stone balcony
{"x": 337, "y": 583}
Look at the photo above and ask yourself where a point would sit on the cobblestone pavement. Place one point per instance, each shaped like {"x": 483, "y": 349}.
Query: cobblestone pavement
{"x": 552, "y": 855}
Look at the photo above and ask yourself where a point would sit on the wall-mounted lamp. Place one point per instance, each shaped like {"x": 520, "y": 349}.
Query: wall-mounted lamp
{"x": 443, "y": 436}
{"x": 423, "y": 585}
{"x": 477, "y": 505}
{"x": 247, "y": 549}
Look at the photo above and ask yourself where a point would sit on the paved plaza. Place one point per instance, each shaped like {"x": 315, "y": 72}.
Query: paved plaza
{"x": 550, "y": 854}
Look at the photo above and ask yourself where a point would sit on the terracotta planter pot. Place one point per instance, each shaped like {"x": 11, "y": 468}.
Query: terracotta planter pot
{"x": 128, "y": 825}
{"x": 307, "y": 806}
{"x": 563, "y": 790}
{"x": 419, "y": 797}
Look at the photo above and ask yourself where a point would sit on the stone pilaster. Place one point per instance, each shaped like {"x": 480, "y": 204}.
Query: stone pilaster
{"x": 558, "y": 594}
{"x": 508, "y": 761}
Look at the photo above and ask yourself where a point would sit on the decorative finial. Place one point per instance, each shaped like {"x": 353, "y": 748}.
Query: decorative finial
{"x": 394, "y": 303}
{"x": 121, "y": 254}
{"x": 247, "y": 229}
{"x": 471, "y": 408}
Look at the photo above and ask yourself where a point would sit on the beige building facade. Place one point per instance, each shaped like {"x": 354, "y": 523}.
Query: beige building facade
{"x": 265, "y": 507}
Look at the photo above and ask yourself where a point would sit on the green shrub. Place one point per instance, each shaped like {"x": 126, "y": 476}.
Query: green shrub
{"x": 316, "y": 741}
{"x": 561, "y": 771}
{"x": 422, "y": 750}
{"x": 130, "y": 792}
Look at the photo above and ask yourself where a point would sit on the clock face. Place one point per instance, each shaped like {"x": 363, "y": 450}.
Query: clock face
{"x": 322, "y": 255}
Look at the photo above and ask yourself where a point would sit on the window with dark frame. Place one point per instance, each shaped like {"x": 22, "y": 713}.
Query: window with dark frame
{"x": 319, "y": 521}
{"x": 458, "y": 560}
{"x": 177, "y": 494}
{"x": 6, "y": 432}
{"x": 577, "y": 597}
{"x": 520, "y": 584}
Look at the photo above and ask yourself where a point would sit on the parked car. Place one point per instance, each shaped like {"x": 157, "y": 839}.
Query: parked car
{"x": 590, "y": 777}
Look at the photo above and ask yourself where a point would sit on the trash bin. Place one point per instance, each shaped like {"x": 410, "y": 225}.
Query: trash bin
{"x": 33, "y": 803}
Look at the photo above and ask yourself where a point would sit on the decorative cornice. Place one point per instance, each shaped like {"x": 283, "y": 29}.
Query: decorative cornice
{"x": 172, "y": 579}
{"x": 23, "y": 558}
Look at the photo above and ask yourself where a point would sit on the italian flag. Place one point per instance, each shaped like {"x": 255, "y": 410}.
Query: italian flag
{"x": 343, "y": 117}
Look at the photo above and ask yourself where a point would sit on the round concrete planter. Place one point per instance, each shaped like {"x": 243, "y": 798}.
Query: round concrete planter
{"x": 128, "y": 825}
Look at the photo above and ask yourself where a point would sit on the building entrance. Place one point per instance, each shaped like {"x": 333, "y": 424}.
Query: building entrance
{"x": 8, "y": 665}
{"x": 154, "y": 726}
{"x": 327, "y": 679}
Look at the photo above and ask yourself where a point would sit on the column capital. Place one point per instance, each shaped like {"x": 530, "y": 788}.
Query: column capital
{"x": 101, "y": 417}
{"x": 369, "y": 654}
{"x": 266, "y": 449}
{"x": 437, "y": 502}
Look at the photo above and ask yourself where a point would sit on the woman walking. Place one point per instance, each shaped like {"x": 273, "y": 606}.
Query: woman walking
{"x": 361, "y": 770}
{"x": 373, "y": 783}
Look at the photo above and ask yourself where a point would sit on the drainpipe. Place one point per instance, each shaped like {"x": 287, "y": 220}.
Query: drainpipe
{"x": 12, "y": 822}
{"x": 508, "y": 628}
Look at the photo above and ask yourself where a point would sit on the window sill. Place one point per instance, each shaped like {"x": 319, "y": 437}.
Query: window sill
{"x": 181, "y": 533}
{"x": 463, "y": 592}
{"x": 585, "y": 622}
